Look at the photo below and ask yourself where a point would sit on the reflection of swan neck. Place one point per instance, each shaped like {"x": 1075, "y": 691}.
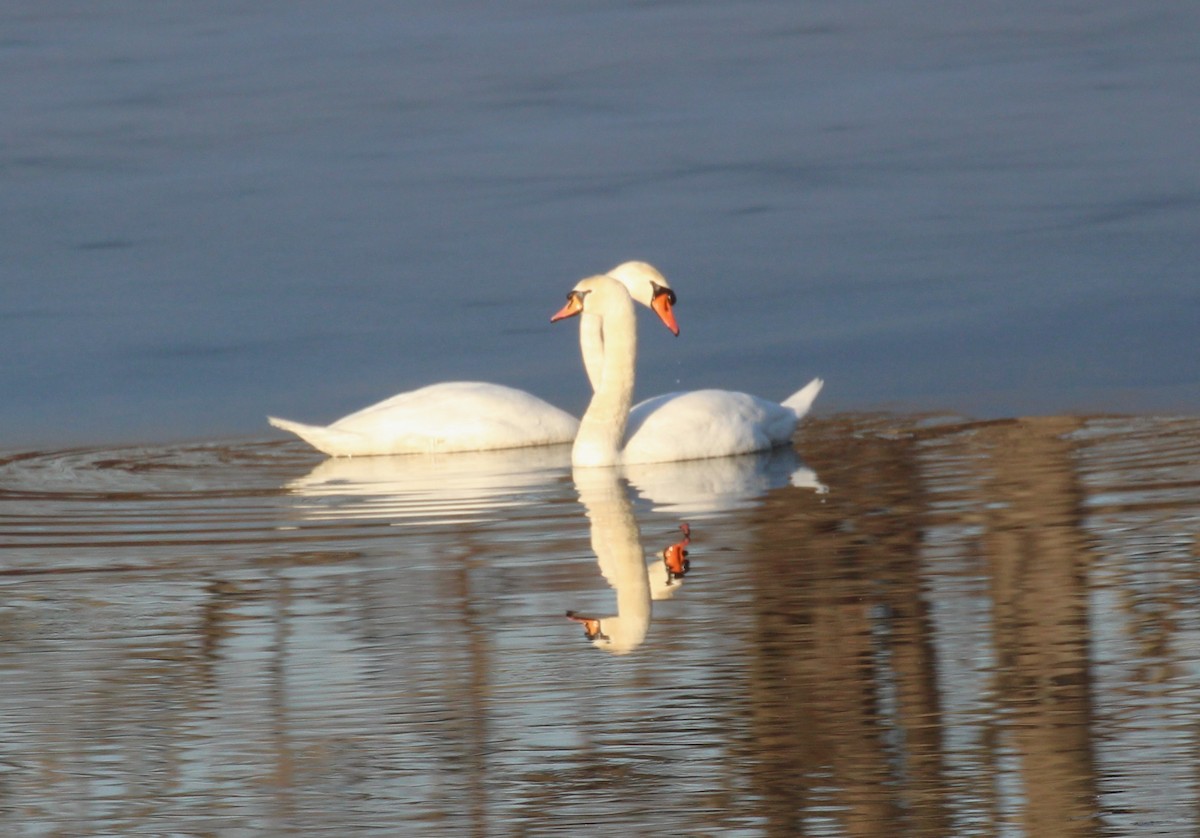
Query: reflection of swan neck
{"x": 602, "y": 429}
{"x": 616, "y": 542}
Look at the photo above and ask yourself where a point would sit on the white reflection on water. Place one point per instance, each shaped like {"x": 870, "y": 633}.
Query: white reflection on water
{"x": 617, "y": 543}
{"x": 478, "y": 487}
{"x": 699, "y": 488}
{"x": 447, "y": 488}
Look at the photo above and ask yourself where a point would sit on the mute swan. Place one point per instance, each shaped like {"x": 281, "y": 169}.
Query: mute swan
{"x": 471, "y": 415}
{"x": 675, "y": 426}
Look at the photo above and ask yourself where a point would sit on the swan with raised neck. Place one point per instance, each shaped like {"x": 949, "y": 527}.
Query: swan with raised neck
{"x": 458, "y": 416}
{"x": 671, "y": 427}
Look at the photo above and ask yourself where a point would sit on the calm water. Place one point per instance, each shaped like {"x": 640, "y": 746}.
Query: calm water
{"x": 215, "y": 212}
{"x": 925, "y": 627}
{"x": 912, "y": 625}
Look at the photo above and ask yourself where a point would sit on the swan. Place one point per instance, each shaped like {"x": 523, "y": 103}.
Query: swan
{"x": 675, "y": 426}
{"x": 475, "y": 416}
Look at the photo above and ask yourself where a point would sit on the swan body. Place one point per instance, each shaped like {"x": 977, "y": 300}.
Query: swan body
{"x": 474, "y": 416}
{"x": 712, "y": 423}
{"x": 668, "y": 428}
{"x": 441, "y": 418}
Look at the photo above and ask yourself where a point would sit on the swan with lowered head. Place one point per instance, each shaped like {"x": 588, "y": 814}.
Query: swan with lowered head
{"x": 472, "y": 415}
{"x": 675, "y": 426}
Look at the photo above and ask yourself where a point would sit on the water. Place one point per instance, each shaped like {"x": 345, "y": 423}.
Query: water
{"x": 915, "y": 624}
{"x": 212, "y": 214}
{"x": 927, "y": 626}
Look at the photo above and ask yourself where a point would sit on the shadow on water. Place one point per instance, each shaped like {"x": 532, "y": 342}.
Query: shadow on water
{"x": 928, "y": 627}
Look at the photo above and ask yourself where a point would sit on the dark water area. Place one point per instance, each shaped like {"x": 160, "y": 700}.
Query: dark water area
{"x": 906, "y": 626}
{"x": 212, "y": 213}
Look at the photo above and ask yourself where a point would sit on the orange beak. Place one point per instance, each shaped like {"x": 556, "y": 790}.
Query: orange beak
{"x": 662, "y": 307}
{"x": 574, "y": 306}
{"x": 675, "y": 556}
{"x": 591, "y": 625}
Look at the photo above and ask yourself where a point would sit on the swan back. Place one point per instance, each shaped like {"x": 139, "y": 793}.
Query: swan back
{"x": 704, "y": 423}
{"x": 447, "y": 417}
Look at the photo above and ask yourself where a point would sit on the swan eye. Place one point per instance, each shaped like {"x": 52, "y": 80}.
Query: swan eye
{"x": 659, "y": 290}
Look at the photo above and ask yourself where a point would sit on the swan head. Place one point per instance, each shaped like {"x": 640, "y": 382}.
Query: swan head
{"x": 616, "y": 635}
{"x": 646, "y": 285}
{"x": 639, "y": 284}
{"x": 596, "y": 295}
{"x": 591, "y": 626}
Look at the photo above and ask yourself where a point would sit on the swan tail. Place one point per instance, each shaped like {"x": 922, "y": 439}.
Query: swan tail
{"x": 802, "y": 399}
{"x": 333, "y": 442}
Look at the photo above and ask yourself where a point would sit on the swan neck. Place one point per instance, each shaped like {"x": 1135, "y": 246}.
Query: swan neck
{"x": 602, "y": 429}
{"x": 591, "y": 347}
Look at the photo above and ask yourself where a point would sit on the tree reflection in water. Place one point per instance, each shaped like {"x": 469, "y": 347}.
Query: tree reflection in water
{"x": 961, "y": 628}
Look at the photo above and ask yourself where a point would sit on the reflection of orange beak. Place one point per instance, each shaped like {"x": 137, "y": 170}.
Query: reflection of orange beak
{"x": 591, "y": 625}
{"x": 675, "y": 556}
{"x": 574, "y": 306}
{"x": 662, "y": 307}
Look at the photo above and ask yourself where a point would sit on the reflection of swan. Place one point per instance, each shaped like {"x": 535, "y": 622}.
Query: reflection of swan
{"x": 473, "y": 484}
{"x": 696, "y": 488}
{"x": 675, "y": 426}
{"x": 467, "y": 486}
{"x": 472, "y": 415}
{"x": 675, "y": 557}
{"x": 616, "y": 542}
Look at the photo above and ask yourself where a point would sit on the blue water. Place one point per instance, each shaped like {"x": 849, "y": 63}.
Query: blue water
{"x": 215, "y": 211}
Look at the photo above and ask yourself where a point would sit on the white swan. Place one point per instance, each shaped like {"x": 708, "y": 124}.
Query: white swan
{"x": 675, "y": 426}
{"x": 472, "y": 415}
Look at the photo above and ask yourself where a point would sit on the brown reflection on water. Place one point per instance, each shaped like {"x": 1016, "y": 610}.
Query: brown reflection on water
{"x": 1036, "y": 556}
{"x": 979, "y": 629}
{"x": 841, "y": 666}
{"x": 923, "y": 643}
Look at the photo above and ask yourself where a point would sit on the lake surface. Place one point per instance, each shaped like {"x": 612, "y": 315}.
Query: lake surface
{"x": 211, "y": 214}
{"x": 930, "y": 618}
{"x": 908, "y": 626}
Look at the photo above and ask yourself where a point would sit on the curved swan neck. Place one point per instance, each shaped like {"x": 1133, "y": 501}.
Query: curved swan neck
{"x": 602, "y": 429}
{"x": 644, "y": 283}
{"x": 617, "y": 544}
{"x": 591, "y": 346}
